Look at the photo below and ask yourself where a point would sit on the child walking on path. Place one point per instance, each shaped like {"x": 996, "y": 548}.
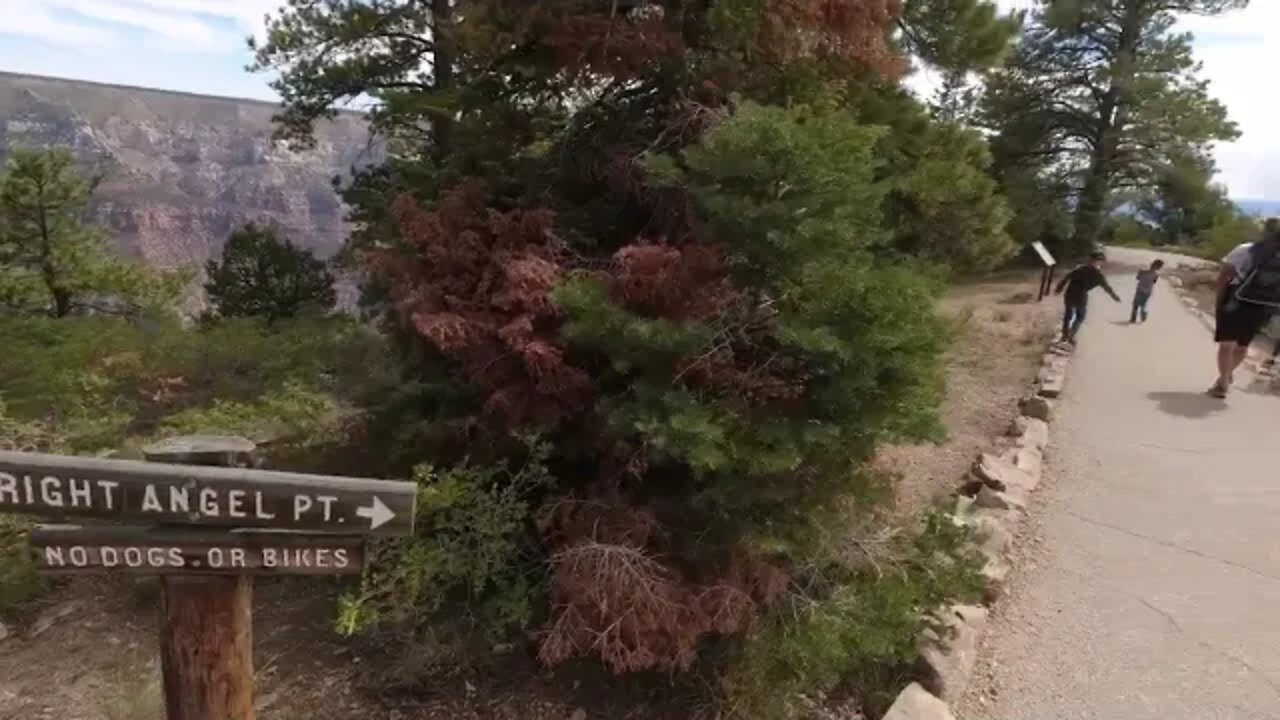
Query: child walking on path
{"x": 1146, "y": 285}
{"x": 1077, "y": 285}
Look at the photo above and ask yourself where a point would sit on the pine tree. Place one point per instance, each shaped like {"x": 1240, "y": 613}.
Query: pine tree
{"x": 959, "y": 36}
{"x": 52, "y": 259}
{"x": 619, "y": 239}
{"x": 262, "y": 275}
{"x": 1108, "y": 91}
{"x": 943, "y": 205}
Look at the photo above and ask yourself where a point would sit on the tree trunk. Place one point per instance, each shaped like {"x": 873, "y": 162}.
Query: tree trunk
{"x": 206, "y": 633}
{"x": 61, "y": 301}
{"x": 206, "y": 647}
{"x": 60, "y": 295}
{"x": 48, "y": 271}
{"x": 1113, "y": 110}
{"x": 1092, "y": 204}
{"x": 443, "y": 61}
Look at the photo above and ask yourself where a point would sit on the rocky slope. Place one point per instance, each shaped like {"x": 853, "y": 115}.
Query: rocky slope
{"x": 180, "y": 171}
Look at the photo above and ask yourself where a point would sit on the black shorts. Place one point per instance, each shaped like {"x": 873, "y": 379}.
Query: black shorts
{"x": 1239, "y": 322}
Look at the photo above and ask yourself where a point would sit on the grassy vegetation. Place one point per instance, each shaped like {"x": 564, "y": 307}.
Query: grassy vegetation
{"x": 133, "y": 696}
{"x": 859, "y": 635}
{"x": 93, "y": 384}
{"x": 19, "y": 582}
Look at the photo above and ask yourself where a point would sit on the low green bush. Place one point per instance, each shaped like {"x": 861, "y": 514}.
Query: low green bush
{"x": 19, "y": 581}
{"x": 469, "y": 565}
{"x": 859, "y": 629}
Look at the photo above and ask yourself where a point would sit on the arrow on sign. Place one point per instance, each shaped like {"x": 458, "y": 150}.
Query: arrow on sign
{"x": 377, "y": 513}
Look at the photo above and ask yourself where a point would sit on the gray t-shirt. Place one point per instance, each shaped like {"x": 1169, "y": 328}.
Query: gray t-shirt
{"x": 1241, "y": 260}
{"x": 1147, "y": 280}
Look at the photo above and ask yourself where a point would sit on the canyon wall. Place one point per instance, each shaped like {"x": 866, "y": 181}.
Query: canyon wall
{"x": 180, "y": 172}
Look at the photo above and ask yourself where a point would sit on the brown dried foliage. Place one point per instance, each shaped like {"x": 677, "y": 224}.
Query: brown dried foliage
{"x": 615, "y": 598}
{"x": 475, "y": 283}
{"x": 850, "y": 32}
{"x": 690, "y": 282}
{"x": 610, "y": 43}
{"x": 655, "y": 279}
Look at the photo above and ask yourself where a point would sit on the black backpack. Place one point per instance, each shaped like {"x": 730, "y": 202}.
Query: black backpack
{"x": 1262, "y": 285}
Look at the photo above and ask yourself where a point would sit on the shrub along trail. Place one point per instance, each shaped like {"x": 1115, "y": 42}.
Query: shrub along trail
{"x": 93, "y": 628}
{"x": 1153, "y": 588}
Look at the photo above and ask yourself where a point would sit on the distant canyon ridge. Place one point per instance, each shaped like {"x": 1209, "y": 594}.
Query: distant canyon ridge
{"x": 179, "y": 171}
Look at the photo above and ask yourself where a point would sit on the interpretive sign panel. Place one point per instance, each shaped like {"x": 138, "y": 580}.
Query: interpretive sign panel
{"x": 1045, "y": 256}
{"x": 165, "y": 551}
{"x": 124, "y": 490}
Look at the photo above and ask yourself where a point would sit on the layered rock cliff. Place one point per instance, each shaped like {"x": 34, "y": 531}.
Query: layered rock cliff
{"x": 180, "y": 172}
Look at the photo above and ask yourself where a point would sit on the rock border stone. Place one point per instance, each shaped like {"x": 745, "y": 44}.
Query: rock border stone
{"x": 916, "y": 703}
{"x": 992, "y": 500}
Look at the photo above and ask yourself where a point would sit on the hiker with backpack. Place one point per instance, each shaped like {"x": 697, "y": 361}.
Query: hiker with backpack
{"x": 1248, "y": 293}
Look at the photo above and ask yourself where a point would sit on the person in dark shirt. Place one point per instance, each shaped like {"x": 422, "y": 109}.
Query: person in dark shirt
{"x": 1076, "y": 286}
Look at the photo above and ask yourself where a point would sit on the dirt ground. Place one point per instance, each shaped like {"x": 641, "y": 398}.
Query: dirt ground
{"x": 89, "y": 652}
{"x": 1001, "y": 332}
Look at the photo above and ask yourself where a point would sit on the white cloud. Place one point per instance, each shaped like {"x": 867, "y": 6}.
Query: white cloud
{"x": 247, "y": 14}
{"x": 187, "y": 45}
{"x": 190, "y": 31}
{"x": 179, "y": 25}
{"x": 1238, "y": 51}
{"x": 27, "y": 18}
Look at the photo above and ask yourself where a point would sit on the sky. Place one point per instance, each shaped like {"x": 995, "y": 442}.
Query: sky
{"x": 192, "y": 45}
{"x": 199, "y": 46}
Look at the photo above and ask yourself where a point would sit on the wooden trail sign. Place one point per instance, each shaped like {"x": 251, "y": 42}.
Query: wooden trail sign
{"x": 1046, "y": 257}
{"x": 70, "y": 549}
{"x": 206, "y": 635}
{"x": 253, "y": 522}
{"x": 1050, "y": 264}
{"x": 124, "y": 490}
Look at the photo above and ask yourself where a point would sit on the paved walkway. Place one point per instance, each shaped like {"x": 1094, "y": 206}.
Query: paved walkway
{"x": 1156, "y": 594}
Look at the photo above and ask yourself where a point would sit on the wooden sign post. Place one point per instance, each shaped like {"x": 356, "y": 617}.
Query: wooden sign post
{"x": 206, "y": 623}
{"x": 1046, "y": 277}
{"x": 251, "y": 522}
